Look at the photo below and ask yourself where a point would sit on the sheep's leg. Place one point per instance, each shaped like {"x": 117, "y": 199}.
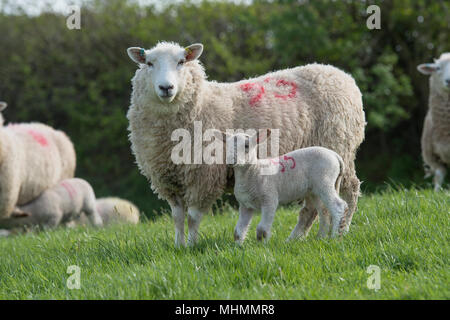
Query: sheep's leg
{"x": 306, "y": 218}
{"x": 267, "y": 216}
{"x": 336, "y": 206}
{"x": 9, "y": 194}
{"x": 439, "y": 176}
{"x": 325, "y": 223}
{"x": 350, "y": 193}
{"x": 178, "y": 218}
{"x": 93, "y": 215}
{"x": 245, "y": 217}
{"x": 194, "y": 219}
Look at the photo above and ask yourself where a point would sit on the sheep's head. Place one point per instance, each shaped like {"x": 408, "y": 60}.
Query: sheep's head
{"x": 241, "y": 148}
{"x": 439, "y": 71}
{"x": 165, "y": 68}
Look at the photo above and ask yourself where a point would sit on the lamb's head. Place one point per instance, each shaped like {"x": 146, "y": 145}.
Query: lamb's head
{"x": 439, "y": 71}
{"x": 241, "y": 147}
{"x": 164, "y": 66}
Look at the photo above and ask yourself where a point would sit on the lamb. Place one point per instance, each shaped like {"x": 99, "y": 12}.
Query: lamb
{"x": 33, "y": 158}
{"x": 112, "y": 210}
{"x": 262, "y": 184}
{"x": 55, "y": 206}
{"x": 311, "y": 105}
{"x": 436, "y": 129}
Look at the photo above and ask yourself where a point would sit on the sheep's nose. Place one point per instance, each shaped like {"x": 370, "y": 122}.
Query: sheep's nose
{"x": 166, "y": 88}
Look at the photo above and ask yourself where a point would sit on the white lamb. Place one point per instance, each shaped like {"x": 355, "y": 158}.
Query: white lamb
{"x": 313, "y": 105}
{"x": 312, "y": 173}
{"x": 33, "y": 158}
{"x": 436, "y": 129}
{"x": 55, "y": 206}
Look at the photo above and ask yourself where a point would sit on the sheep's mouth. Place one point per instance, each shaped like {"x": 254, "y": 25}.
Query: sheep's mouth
{"x": 166, "y": 97}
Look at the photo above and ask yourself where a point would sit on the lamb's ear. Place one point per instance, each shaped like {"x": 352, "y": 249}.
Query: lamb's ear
{"x": 3, "y": 105}
{"x": 262, "y": 135}
{"x": 427, "y": 68}
{"x": 220, "y": 135}
{"x": 136, "y": 54}
{"x": 18, "y": 213}
{"x": 193, "y": 51}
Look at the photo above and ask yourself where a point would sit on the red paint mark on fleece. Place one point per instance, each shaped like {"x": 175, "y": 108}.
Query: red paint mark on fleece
{"x": 259, "y": 94}
{"x": 274, "y": 161}
{"x": 38, "y": 137}
{"x": 291, "y": 93}
{"x": 69, "y": 188}
{"x": 286, "y": 158}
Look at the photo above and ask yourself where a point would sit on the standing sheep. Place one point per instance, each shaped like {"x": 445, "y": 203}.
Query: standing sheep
{"x": 311, "y": 105}
{"x": 436, "y": 129}
{"x": 314, "y": 173}
{"x": 33, "y": 158}
{"x": 58, "y": 205}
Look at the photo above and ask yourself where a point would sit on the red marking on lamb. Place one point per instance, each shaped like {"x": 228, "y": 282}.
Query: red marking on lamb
{"x": 291, "y": 93}
{"x": 70, "y": 189}
{"x": 274, "y": 161}
{"x": 38, "y": 137}
{"x": 286, "y": 158}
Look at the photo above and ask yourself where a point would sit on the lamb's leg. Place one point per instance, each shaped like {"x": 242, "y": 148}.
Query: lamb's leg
{"x": 325, "y": 223}
{"x": 9, "y": 194}
{"x": 245, "y": 217}
{"x": 194, "y": 218}
{"x": 336, "y": 207}
{"x": 178, "y": 218}
{"x": 93, "y": 215}
{"x": 267, "y": 216}
{"x": 306, "y": 218}
{"x": 350, "y": 193}
{"x": 439, "y": 176}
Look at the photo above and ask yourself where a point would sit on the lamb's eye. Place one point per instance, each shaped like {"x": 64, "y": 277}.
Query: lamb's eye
{"x": 150, "y": 64}
{"x": 181, "y": 62}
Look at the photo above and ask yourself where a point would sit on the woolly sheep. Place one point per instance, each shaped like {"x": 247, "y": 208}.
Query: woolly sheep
{"x": 57, "y": 205}
{"x": 314, "y": 173}
{"x": 311, "y": 105}
{"x": 33, "y": 158}
{"x": 112, "y": 210}
{"x": 436, "y": 130}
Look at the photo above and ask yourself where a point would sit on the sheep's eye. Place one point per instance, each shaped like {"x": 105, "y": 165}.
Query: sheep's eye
{"x": 181, "y": 62}
{"x": 150, "y": 64}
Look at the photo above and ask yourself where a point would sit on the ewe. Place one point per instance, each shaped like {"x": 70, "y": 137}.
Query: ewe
{"x": 33, "y": 158}
{"x": 311, "y": 105}
{"x": 57, "y": 205}
{"x": 436, "y": 129}
{"x": 313, "y": 173}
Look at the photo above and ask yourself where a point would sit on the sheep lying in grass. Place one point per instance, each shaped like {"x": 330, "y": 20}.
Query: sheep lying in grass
{"x": 33, "y": 158}
{"x": 310, "y": 105}
{"x": 436, "y": 129}
{"x": 312, "y": 173}
{"x": 57, "y": 205}
{"x": 112, "y": 210}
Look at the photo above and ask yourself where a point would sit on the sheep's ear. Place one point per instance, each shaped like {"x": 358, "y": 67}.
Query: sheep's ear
{"x": 262, "y": 135}
{"x": 193, "y": 51}
{"x": 136, "y": 54}
{"x": 427, "y": 68}
{"x": 3, "y": 105}
{"x": 220, "y": 135}
{"x": 18, "y": 213}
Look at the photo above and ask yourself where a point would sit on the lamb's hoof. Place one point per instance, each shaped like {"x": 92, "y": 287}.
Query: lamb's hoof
{"x": 261, "y": 234}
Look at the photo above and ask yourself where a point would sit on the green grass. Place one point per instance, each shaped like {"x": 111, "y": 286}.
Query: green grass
{"x": 405, "y": 233}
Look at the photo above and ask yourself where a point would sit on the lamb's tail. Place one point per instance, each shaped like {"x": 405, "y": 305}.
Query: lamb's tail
{"x": 341, "y": 173}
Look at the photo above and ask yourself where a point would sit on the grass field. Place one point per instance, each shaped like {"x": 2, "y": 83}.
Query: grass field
{"x": 405, "y": 233}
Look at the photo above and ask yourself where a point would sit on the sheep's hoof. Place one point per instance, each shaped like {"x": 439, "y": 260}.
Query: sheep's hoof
{"x": 261, "y": 235}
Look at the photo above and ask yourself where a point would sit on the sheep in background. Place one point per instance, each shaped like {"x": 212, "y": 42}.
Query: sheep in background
{"x": 33, "y": 158}
{"x": 313, "y": 173}
{"x": 436, "y": 129}
{"x": 311, "y": 105}
{"x": 112, "y": 210}
{"x": 57, "y": 205}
